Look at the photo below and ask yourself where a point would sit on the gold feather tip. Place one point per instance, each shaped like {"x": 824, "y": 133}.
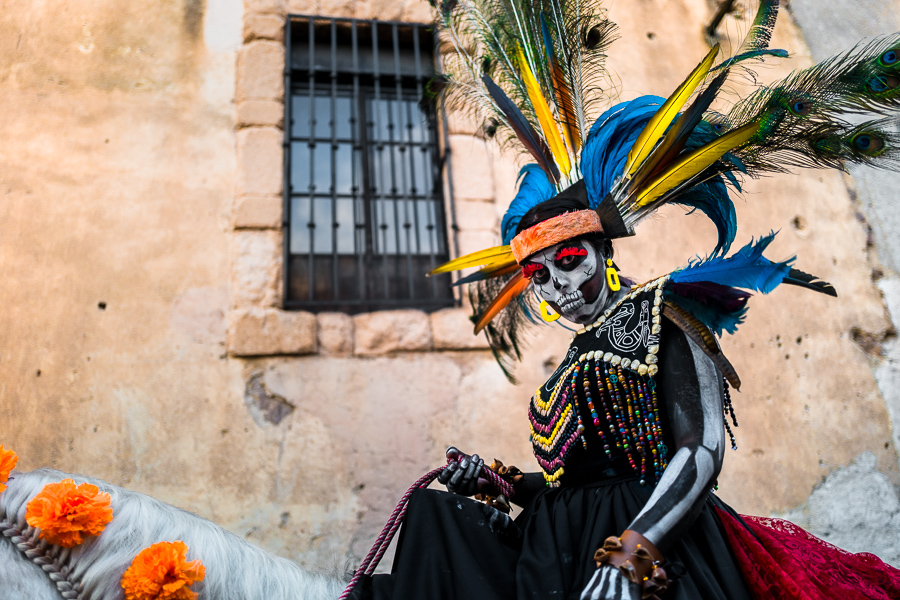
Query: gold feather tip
{"x": 693, "y": 163}
{"x": 656, "y": 127}
{"x": 475, "y": 259}
{"x": 544, "y": 114}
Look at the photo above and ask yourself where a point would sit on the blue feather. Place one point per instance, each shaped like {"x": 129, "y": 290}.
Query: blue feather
{"x": 608, "y": 142}
{"x": 548, "y": 41}
{"x": 750, "y": 55}
{"x": 711, "y": 198}
{"x": 747, "y": 269}
{"x": 606, "y": 150}
{"x": 534, "y": 188}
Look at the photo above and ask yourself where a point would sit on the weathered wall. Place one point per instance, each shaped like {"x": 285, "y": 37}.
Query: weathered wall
{"x": 140, "y": 169}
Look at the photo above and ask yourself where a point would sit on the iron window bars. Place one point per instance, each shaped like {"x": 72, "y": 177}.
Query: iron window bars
{"x": 363, "y": 180}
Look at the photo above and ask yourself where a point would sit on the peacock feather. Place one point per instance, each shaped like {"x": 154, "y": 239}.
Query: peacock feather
{"x": 812, "y": 117}
{"x": 533, "y": 72}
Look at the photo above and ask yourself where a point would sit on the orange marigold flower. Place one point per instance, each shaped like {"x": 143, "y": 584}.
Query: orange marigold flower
{"x": 8, "y": 460}
{"x": 66, "y": 513}
{"x": 161, "y": 572}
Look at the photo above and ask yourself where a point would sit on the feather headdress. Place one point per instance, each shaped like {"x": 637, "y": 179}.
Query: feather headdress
{"x": 533, "y": 72}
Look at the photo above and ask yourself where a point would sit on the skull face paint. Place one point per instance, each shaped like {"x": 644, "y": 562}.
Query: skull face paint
{"x": 570, "y": 277}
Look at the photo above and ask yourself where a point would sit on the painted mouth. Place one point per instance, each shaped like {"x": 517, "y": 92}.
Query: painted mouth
{"x": 571, "y": 302}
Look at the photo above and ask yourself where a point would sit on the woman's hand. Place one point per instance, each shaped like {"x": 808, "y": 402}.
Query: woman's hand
{"x": 462, "y": 474}
{"x": 608, "y": 583}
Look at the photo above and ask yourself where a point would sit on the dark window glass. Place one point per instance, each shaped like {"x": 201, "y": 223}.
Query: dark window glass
{"x": 363, "y": 184}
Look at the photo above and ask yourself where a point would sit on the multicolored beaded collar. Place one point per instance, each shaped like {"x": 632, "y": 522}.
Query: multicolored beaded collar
{"x": 613, "y": 380}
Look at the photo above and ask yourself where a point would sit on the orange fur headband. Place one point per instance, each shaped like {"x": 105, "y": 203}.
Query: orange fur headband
{"x": 553, "y": 231}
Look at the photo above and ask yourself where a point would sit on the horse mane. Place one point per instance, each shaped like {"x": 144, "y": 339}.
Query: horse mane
{"x": 235, "y": 570}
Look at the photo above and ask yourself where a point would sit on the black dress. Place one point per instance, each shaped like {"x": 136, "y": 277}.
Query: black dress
{"x": 456, "y": 548}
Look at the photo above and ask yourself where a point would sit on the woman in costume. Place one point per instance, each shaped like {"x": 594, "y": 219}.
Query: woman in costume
{"x": 628, "y": 431}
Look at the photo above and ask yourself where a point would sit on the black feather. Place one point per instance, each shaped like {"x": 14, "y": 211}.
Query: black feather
{"x": 810, "y": 282}
{"x": 524, "y": 130}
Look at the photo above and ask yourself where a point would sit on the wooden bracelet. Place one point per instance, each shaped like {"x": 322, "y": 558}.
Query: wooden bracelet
{"x": 637, "y": 559}
{"x": 511, "y": 474}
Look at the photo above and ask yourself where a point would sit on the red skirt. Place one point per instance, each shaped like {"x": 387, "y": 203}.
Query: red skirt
{"x": 781, "y": 561}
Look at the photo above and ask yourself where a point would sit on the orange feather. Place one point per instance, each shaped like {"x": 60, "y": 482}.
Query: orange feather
{"x": 510, "y": 291}
{"x": 566, "y": 110}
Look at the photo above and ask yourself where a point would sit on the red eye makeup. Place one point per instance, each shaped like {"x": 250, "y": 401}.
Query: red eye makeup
{"x": 570, "y": 251}
{"x": 530, "y": 269}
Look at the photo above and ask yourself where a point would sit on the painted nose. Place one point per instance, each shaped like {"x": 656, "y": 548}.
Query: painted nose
{"x": 556, "y": 284}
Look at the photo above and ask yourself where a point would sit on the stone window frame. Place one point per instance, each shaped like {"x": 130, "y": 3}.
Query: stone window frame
{"x": 371, "y": 264}
{"x": 257, "y": 324}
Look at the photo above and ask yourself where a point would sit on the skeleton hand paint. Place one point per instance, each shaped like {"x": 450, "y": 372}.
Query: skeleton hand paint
{"x": 570, "y": 277}
{"x": 608, "y": 583}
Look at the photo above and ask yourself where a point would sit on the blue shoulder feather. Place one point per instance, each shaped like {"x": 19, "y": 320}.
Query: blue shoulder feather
{"x": 747, "y": 269}
{"x": 708, "y": 288}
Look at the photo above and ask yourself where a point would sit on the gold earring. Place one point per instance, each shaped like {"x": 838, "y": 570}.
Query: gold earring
{"x": 612, "y": 276}
{"x": 546, "y": 313}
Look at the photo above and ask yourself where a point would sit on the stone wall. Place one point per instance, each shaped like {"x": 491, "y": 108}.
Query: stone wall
{"x": 140, "y": 250}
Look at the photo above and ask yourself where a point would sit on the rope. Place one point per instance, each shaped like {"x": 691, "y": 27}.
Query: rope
{"x": 28, "y": 542}
{"x": 370, "y": 562}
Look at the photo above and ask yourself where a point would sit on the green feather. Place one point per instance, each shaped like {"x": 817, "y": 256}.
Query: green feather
{"x": 808, "y": 119}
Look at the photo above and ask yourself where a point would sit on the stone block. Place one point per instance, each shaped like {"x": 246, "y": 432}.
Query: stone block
{"x": 463, "y": 123}
{"x": 473, "y": 174}
{"x": 307, "y": 7}
{"x": 452, "y": 330}
{"x": 476, "y": 215}
{"x": 385, "y": 10}
{"x": 258, "y": 212}
{"x": 263, "y": 6}
{"x": 256, "y": 268}
{"x": 260, "y": 71}
{"x": 391, "y": 331}
{"x": 263, "y": 27}
{"x": 330, "y": 8}
{"x": 335, "y": 333}
{"x": 270, "y": 331}
{"x": 260, "y": 157}
{"x": 474, "y": 240}
{"x": 260, "y": 113}
{"x": 506, "y": 173}
{"x": 417, "y": 11}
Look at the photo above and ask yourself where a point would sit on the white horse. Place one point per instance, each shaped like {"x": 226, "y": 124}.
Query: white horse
{"x": 31, "y": 569}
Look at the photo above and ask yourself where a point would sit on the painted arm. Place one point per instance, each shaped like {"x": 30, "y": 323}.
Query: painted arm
{"x": 691, "y": 387}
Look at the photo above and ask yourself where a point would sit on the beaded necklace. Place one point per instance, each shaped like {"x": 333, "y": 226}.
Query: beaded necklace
{"x": 614, "y": 380}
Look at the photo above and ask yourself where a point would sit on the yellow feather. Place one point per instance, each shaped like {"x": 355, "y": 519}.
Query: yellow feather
{"x": 500, "y": 267}
{"x": 566, "y": 110}
{"x": 544, "y": 115}
{"x": 660, "y": 121}
{"x": 694, "y": 163}
{"x": 482, "y": 257}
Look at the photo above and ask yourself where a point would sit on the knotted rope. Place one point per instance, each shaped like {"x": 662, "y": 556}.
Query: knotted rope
{"x": 26, "y": 539}
{"x": 370, "y": 562}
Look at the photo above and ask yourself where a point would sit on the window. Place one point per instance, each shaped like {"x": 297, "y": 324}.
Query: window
{"x": 363, "y": 169}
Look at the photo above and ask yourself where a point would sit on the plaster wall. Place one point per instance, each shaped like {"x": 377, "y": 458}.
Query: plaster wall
{"x": 140, "y": 335}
